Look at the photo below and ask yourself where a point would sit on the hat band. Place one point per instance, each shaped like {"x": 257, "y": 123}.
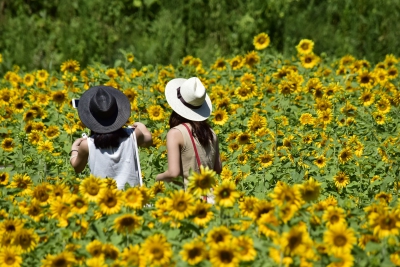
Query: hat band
{"x": 183, "y": 100}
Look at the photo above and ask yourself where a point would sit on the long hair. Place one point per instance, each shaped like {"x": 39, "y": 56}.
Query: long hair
{"x": 102, "y": 140}
{"x": 200, "y": 129}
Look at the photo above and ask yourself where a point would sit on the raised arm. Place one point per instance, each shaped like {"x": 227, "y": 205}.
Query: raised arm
{"x": 79, "y": 154}
{"x": 143, "y": 135}
{"x": 174, "y": 141}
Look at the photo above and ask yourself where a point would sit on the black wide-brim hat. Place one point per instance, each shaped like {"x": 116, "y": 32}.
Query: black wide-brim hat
{"x": 104, "y": 109}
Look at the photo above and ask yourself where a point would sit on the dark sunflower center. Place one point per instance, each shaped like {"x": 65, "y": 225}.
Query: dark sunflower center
{"x": 226, "y": 256}
{"x": 340, "y": 241}
{"x": 194, "y": 253}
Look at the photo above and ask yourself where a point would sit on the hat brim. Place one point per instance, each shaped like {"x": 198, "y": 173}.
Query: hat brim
{"x": 124, "y": 111}
{"x": 199, "y": 114}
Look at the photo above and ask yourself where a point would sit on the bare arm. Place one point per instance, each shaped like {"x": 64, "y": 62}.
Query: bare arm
{"x": 79, "y": 154}
{"x": 174, "y": 142}
{"x": 143, "y": 135}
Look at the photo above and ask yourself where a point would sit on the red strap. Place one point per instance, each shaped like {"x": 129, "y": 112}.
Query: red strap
{"x": 195, "y": 151}
{"x": 194, "y": 145}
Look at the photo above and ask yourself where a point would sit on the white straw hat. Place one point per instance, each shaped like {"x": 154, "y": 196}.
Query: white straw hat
{"x": 188, "y": 98}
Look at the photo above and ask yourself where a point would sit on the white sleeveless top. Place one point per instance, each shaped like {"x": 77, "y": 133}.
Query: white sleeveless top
{"x": 119, "y": 163}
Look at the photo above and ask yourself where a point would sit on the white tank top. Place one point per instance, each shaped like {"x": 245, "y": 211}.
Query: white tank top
{"x": 115, "y": 162}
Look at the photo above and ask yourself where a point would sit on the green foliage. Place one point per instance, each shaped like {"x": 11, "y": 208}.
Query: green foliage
{"x": 43, "y": 34}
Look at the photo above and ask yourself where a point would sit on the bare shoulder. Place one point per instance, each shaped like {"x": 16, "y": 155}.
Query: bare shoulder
{"x": 175, "y": 136}
{"x": 83, "y": 147}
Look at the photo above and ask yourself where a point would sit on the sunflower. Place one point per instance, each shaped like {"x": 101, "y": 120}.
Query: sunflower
{"x": 61, "y": 211}
{"x": 266, "y": 159}
{"x": 42, "y": 75}
{"x": 194, "y": 252}
{"x": 333, "y": 215}
{"x": 11, "y": 226}
{"x": 236, "y": 62}
{"x": 320, "y": 161}
{"x": 262, "y": 207}
{"x": 110, "y": 251}
{"x": 132, "y": 94}
{"x": 243, "y": 93}
{"x": 243, "y": 138}
{"x": 41, "y": 193}
{"x": 10, "y": 257}
{"x": 309, "y": 61}
{"x": 384, "y": 223}
{"x": 70, "y": 66}
{"x": 247, "y": 206}
{"x": 367, "y": 98}
{"x": 4, "y": 178}
{"x": 287, "y": 87}
{"x": 392, "y": 73}
{"x": 133, "y": 198}
{"x": 131, "y": 255}
{"x": 52, "y": 132}
{"x": 285, "y": 194}
{"x": 127, "y": 223}
{"x": 383, "y": 105}
{"x": 181, "y": 205}
{"x": 251, "y": 59}
{"x": 379, "y": 118}
{"x": 242, "y": 158}
{"x": 19, "y": 105}
{"x": 218, "y": 235}
{"x": 110, "y": 201}
{"x": 22, "y": 181}
{"x": 342, "y": 260}
{"x": 200, "y": 183}
{"x": 95, "y": 248}
{"x": 64, "y": 259}
{"x": 45, "y": 146}
{"x": 325, "y": 116}
{"x": 8, "y": 144}
{"x": 310, "y": 190}
{"x": 92, "y": 188}
{"x": 381, "y": 76}
{"x": 296, "y": 241}
{"x": 226, "y": 173}
{"x": 305, "y": 47}
{"x": 225, "y": 255}
{"x": 341, "y": 179}
{"x": 78, "y": 204}
{"x": 306, "y": 119}
{"x": 158, "y": 187}
{"x": 219, "y": 64}
{"x": 156, "y": 250}
{"x": 220, "y": 117}
{"x": 345, "y": 155}
{"x": 34, "y": 210}
{"x": 384, "y": 197}
{"x": 202, "y": 213}
{"x": 26, "y": 240}
{"x": 59, "y": 97}
{"x": 366, "y": 80}
{"x": 60, "y": 190}
{"x": 261, "y": 41}
{"x": 226, "y": 193}
{"x": 339, "y": 238}
{"x": 256, "y": 122}
{"x": 156, "y": 112}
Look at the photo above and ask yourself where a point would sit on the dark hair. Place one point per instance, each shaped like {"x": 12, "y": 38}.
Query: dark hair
{"x": 200, "y": 129}
{"x": 104, "y": 140}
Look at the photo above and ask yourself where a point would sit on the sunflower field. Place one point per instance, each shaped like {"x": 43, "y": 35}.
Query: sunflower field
{"x": 310, "y": 150}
